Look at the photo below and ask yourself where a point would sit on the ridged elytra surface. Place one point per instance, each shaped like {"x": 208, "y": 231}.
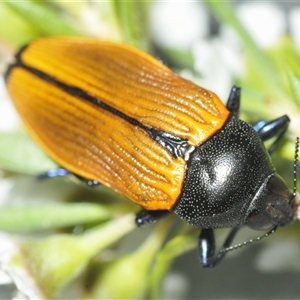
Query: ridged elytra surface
{"x": 100, "y": 142}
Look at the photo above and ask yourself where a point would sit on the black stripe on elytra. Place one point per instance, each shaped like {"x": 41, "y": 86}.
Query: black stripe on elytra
{"x": 80, "y": 93}
{"x": 17, "y": 63}
{"x": 176, "y": 146}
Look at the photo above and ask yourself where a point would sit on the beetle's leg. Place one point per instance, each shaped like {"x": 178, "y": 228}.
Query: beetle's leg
{"x": 207, "y": 247}
{"x": 145, "y": 217}
{"x": 62, "y": 172}
{"x": 276, "y": 128}
{"x": 234, "y": 99}
{"x": 89, "y": 182}
{"x": 59, "y": 172}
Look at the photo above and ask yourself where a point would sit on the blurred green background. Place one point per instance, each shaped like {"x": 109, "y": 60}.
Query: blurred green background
{"x": 68, "y": 241}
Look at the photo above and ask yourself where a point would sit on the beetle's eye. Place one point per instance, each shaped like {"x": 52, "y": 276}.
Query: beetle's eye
{"x": 273, "y": 205}
{"x": 277, "y": 186}
{"x": 259, "y": 221}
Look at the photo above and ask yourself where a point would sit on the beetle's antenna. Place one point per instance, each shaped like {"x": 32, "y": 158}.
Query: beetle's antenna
{"x": 296, "y": 166}
{"x": 237, "y": 246}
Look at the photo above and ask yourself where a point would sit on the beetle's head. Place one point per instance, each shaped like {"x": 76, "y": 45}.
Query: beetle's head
{"x": 273, "y": 205}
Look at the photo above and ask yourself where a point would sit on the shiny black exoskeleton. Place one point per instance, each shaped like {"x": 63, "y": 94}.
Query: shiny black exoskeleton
{"x": 231, "y": 182}
{"x": 229, "y": 178}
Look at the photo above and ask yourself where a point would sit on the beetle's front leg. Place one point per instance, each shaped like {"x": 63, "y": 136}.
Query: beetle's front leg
{"x": 145, "y": 217}
{"x": 207, "y": 247}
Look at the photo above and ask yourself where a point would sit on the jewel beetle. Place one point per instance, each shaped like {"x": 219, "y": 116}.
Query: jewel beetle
{"x": 116, "y": 116}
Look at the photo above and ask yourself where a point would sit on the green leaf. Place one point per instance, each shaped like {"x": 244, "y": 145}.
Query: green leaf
{"x": 295, "y": 86}
{"x": 51, "y": 216}
{"x": 287, "y": 61}
{"x": 19, "y": 153}
{"x": 16, "y": 31}
{"x": 129, "y": 14}
{"x": 180, "y": 244}
{"x": 180, "y": 58}
{"x": 131, "y": 271}
{"x": 43, "y": 18}
{"x": 54, "y": 261}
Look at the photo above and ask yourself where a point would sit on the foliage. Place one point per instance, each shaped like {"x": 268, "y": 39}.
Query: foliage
{"x": 61, "y": 254}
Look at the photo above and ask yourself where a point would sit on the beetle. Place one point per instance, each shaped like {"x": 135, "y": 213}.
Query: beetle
{"x": 116, "y": 116}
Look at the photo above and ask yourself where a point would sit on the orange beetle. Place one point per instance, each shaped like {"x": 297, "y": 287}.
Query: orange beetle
{"x": 111, "y": 113}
